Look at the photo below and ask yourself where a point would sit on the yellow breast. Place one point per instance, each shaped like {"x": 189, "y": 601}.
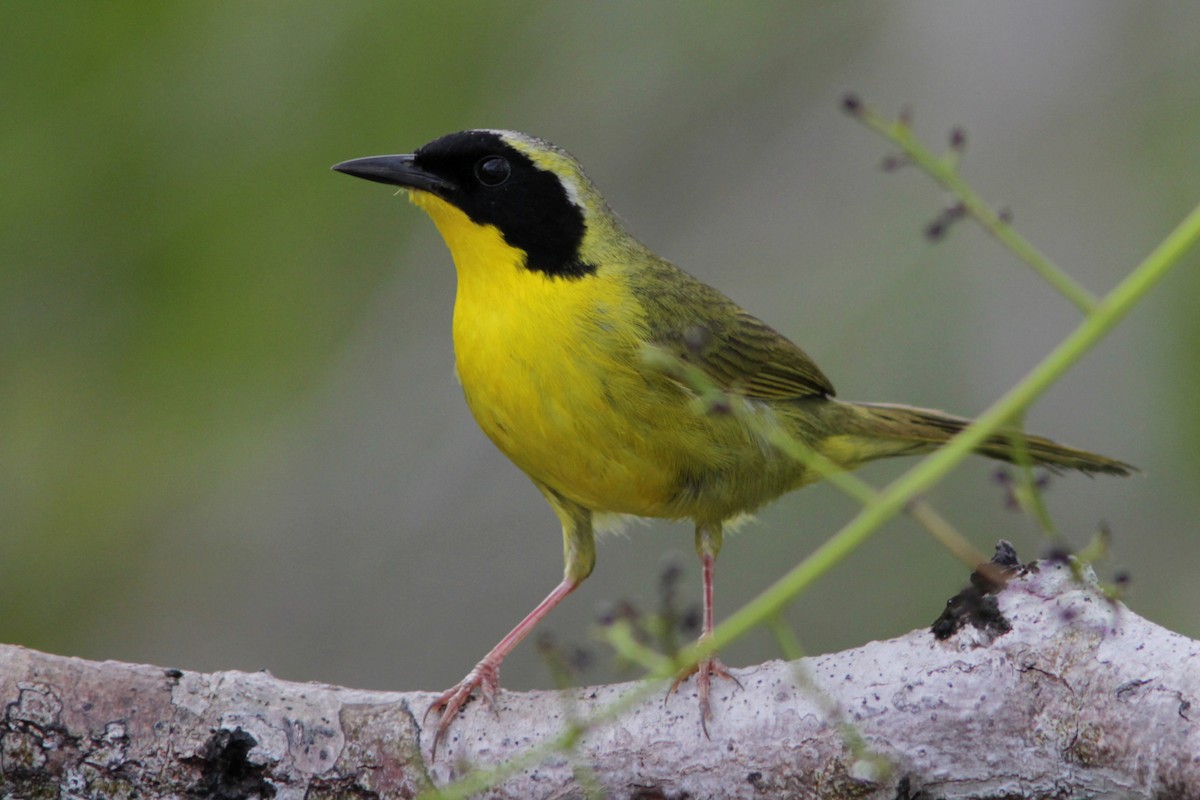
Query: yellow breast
{"x": 551, "y": 369}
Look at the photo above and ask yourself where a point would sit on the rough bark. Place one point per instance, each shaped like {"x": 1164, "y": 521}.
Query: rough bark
{"x": 1079, "y": 697}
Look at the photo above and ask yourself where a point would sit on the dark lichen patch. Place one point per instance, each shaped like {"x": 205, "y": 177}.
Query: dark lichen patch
{"x": 21, "y": 753}
{"x": 976, "y": 605}
{"x": 338, "y": 789}
{"x": 226, "y": 772}
{"x": 110, "y": 749}
{"x": 905, "y": 791}
{"x": 34, "y": 744}
{"x": 31, "y": 732}
{"x": 1088, "y": 748}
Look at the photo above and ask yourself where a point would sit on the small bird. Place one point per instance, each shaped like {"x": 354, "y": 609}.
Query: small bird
{"x": 593, "y": 365}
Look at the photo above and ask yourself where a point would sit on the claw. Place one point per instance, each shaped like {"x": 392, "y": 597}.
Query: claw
{"x": 484, "y": 677}
{"x": 705, "y": 671}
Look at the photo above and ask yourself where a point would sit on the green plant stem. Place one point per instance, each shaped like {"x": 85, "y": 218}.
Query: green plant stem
{"x": 945, "y": 533}
{"x": 865, "y": 493}
{"x": 943, "y": 170}
{"x": 785, "y": 637}
{"x": 1108, "y": 312}
{"x": 1026, "y": 492}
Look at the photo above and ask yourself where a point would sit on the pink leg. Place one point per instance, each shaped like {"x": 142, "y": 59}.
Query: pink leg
{"x": 486, "y": 674}
{"x": 711, "y": 666}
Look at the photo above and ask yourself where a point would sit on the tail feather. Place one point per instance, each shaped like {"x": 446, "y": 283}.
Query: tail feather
{"x": 919, "y": 429}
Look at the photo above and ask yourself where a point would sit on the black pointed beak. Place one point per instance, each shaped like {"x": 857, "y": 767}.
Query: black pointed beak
{"x": 395, "y": 170}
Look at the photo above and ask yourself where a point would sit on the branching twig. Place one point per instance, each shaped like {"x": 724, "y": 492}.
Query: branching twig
{"x": 944, "y": 170}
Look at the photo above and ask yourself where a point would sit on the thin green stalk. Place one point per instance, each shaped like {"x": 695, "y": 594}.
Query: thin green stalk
{"x": 945, "y": 533}
{"x": 786, "y": 638}
{"x": 1026, "y": 492}
{"x": 865, "y": 494}
{"x": 1109, "y": 311}
{"x": 943, "y": 170}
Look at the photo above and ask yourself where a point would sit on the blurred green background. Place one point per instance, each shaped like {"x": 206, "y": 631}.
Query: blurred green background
{"x": 230, "y": 434}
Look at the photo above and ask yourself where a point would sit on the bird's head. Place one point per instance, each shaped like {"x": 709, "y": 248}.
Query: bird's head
{"x": 534, "y": 194}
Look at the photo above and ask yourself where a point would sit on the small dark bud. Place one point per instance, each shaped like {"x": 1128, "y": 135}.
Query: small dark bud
{"x": 958, "y": 139}
{"x": 690, "y": 622}
{"x": 851, "y": 103}
{"x": 670, "y": 571}
{"x": 628, "y": 611}
{"x": 937, "y": 229}
{"x": 893, "y": 163}
{"x": 1122, "y": 579}
{"x": 1005, "y": 215}
{"x": 606, "y": 614}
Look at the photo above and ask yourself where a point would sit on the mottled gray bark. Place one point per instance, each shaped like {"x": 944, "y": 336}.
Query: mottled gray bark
{"x": 1079, "y": 698}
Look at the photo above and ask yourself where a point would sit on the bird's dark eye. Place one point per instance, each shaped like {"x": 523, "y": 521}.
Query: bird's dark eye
{"x": 493, "y": 170}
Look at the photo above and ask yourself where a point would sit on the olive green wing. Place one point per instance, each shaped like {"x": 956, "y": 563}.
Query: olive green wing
{"x": 738, "y": 352}
{"x": 743, "y": 354}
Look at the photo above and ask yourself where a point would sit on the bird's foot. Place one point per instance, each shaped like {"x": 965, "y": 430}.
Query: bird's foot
{"x": 485, "y": 677}
{"x": 705, "y": 671}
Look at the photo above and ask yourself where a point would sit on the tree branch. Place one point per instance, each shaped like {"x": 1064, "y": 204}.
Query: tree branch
{"x": 1078, "y": 697}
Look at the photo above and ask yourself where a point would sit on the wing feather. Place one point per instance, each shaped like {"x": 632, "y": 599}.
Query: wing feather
{"x": 737, "y": 351}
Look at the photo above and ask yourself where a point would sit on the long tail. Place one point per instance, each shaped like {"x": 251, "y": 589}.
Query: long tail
{"x": 912, "y": 430}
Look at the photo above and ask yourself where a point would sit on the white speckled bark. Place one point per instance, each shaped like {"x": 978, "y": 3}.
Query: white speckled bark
{"x": 1081, "y": 698}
